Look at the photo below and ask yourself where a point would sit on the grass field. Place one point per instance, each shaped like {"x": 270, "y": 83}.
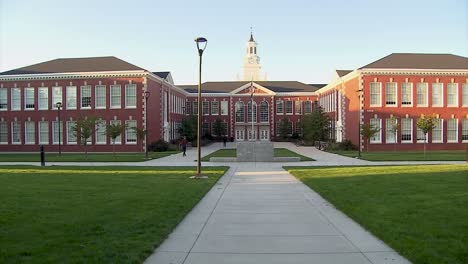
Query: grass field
{"x": 278, "y": 152}
{"x": 420, "y": 211}
{"x": 93, "y": 215}
{"x": 455, "y": 155}
{"x": 80, "y": 157}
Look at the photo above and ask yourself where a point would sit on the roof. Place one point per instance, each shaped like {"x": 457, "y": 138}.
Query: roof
{"x": 275, "y": 86}
{"x": 93, "y": 64}
{"x": 342, "y": 73}
{"x": 251, "y": 38}
{"x": 419, "y": 61}
{"x": 318, "y": 85}
{"x": 162, "y": 75}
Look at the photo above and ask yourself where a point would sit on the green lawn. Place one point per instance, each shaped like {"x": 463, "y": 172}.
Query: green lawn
{"x": 93, "y": 214}
{"x": 420, "y": 211}
{"x": 278, "y": 152}
{"x": 455, "y": 155}
{"x": 80, "y": 157}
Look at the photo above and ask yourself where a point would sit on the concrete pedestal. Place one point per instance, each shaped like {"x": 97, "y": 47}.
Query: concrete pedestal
{"x": 252, "y": 151}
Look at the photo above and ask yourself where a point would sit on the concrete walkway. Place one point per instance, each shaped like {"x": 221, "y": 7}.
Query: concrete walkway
{"x": 262, "y": 214}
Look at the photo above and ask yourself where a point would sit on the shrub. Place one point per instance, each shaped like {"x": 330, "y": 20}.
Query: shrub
{"x": 158, "y": 146}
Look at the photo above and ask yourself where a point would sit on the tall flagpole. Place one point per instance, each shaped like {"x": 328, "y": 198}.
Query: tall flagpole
{"x": 251, "y": 108}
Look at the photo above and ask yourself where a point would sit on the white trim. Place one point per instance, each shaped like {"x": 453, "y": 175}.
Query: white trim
{"x": 441, "y": 122}
{"x": 73, "y": 75}
{"x": 456, "y": 131}
{"x": 267, "y": 91}
{"x": 411, "y": 95}
{"x": 456, "y": 95}
{"x": 412, "y": 132}
{"x": 378, "y": 133}
{"x": 441, "y": 91}
{"x": 396, "y": 95}
{"x": 380, "y": 95}
{"x": 427, "y": 95}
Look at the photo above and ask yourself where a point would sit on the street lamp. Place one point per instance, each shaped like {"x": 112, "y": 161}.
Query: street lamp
{"x": 58, "y": 105}
{"x": 359, "y": 122}
{"x": 146, "y": 94}
{"x": 201, "y": 45}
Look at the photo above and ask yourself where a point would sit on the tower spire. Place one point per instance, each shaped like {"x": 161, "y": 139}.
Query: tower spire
{"x": 251, "y": 35}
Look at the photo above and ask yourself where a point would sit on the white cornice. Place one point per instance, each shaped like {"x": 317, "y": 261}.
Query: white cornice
{"x": 338, "y": 81}
{"x": 161, "y": 80}
{"x": 256, "y": 85}
{"x": 209, "y": 95}
{"x": 72, "y": 75}
{"x": 416, "y": 71}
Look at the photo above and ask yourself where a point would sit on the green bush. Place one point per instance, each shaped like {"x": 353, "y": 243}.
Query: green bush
{"x": 158, "y": 146}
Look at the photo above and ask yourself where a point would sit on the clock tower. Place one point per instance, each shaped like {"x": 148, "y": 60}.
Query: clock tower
{"x": 252, "y": 62}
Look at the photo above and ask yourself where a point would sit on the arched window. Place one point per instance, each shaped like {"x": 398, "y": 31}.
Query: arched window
{"x": 249, "y": 112}
{"x": 264, "y": 112}
{"x": 255, "y": 50}
{"x": 251, "y": 50}
{"x": 240, "y": 112}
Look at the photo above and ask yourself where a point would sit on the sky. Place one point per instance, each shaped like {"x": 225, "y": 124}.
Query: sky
{"x": 298, "y": 40}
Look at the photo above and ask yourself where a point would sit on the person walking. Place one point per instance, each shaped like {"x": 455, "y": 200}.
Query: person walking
{"x": 224, "y": 140}
{"x": 183, "y": 143}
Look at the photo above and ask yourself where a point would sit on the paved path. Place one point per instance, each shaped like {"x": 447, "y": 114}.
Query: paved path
{"x": 261, "y": 214}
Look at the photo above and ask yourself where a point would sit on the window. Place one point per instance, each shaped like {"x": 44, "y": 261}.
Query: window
{"x": 406, "y": 130}
{"x": 118, "y": 140}
{"x": 43, "y": 98}
{"x": 30, "y": 132}
{"x": 215, "y": 108}
{"x": 100, "y": 96}
{"x": 15, "y": 132}
{"x": 115, "y": 96}
{"x": 420, "y": 136}
{"x": 298, "y": 107}
{"x": 224, "y": 107}
{"x": 71, "y": 133}
{"x": 15, "y": 99}
{"x": 279, "y": 107}
{"x": 130, "y": 132}
{"x": 43, "y": 132}
{"x": 452, "y": 130}
{"x": 465, "y": 94}
{"x": 307, "y": 107}
{"x": 452, "y": 94}
{"x": 437, "y": 99}
{"x": 249, "y": 112}
{"x": 101, "y": 136}
{"x": 289, "y": 107}
{"x": 3, "y": 132}
{"x": 375, "y": 94}
{"x": 390, "y": 130}
{"x": 298, "y": 128}
{"x": 3, "y": 99}
{"x": 465, "y": 130}
{"x": 205, "y": 128}
{"x": 240, "y": 112}
{"x": 407, "y": 94}
{"x": 264, "y": 112}
{"x": 195, "y": 108}
{"x": 205, "y": 108}
{"x": 437, "y": 131}
{"x": 375, "y": 123}
{"x": 56, "y": 134}
{"x": 290, "y": 128}
{"x": 130, "y": 96}
{"x": 225, "y": 127}
{"x": 391, "y": 94}
{"x": 56, "y": 95}
{"x": 71, "y": 97}
{"x": 86, "y": 97}
{"x": 421, "y": 94}
{"x": 29, "y": 98}
{"x": 188, "y": 108}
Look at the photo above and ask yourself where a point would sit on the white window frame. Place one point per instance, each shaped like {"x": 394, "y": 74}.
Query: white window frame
{"x": 100, "y": 132}
{"x": 307, "y": 104}
{"x": 425, "y": 86}
{"x": 376, "y": 123}
{"x": 113, "y": 97}
{"x": 15, "y": 132}
{"x": 389, "y": 131}
{"x": 29, "y": 132}
{"x": 298, "y": 107}
{"x": 85, "y": 90}
{"x": 118, "y": 140}
{"x": 264, "y": 113}
{"x": 441, "y": 93}
{"x": 441, "y": 123}
{"x": 464, "y": 130}
{"x": 249, "y": 112}
{"x": 215, "y": 107}
{"x": 43, "y": 101}
{"x": 57, "y": 95}
{"x": 3, "y": 133}
{"x": 3, "y": 99}
{"x": 224, "y": 108}
{"x": 449, "y": 131}
{"x": 455, "y": 95}
{"x": 410, "y": 91}
{"x": 286, "y": 103}
{"x": 55, "y": 138}
{"x": 465, "y": 95}
{"x": 205, "y": 108}
{"x": 129, "y": 89}
{"x": 70, "y": 97}
{"x": 411, "y": 130}
{"x": 421, "y": 140}
{"x": 241, "y": 107}
{"x": 43, "y": 128}
{"x": 131, "y": 130}
{"x": 278, "y": 103}
{"x": 15, "y": 99}
{"x": 98, "y": 98}
{"x": 28, "y": 96}
{"x": 379, "y": 97}
{"x": 71, "y": 133}
{"x": 395, "y": 89}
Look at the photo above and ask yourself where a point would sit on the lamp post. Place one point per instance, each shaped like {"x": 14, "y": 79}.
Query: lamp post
{"x": 146, "y": 94}
{"x": 359, "y": 122}
{"x": 58, "y": 105}
{"x": 201, "y": 45}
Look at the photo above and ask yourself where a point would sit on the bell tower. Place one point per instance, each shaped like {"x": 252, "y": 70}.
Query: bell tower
{"x": 252, "y": 62}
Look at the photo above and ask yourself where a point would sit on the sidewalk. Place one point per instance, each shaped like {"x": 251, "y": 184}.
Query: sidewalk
{"x": 261, "y": 214}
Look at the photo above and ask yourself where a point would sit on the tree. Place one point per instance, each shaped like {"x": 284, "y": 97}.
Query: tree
{"x": 188, "y": 127}
{"x": 316, "y": 126}
{"x": 367, "y": 132}
{"x": 395, "y": 126}
{"x": 114, "y": 131}
{"x": 284, "y": 128}
{"x": 140, "y": 133}
{"x": 426, "y": 124}
{"x": 85, "y": 127}
{"x": 218, "y": 128}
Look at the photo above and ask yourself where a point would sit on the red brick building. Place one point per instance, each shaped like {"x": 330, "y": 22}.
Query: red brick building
{"x": 393, "y": 93}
